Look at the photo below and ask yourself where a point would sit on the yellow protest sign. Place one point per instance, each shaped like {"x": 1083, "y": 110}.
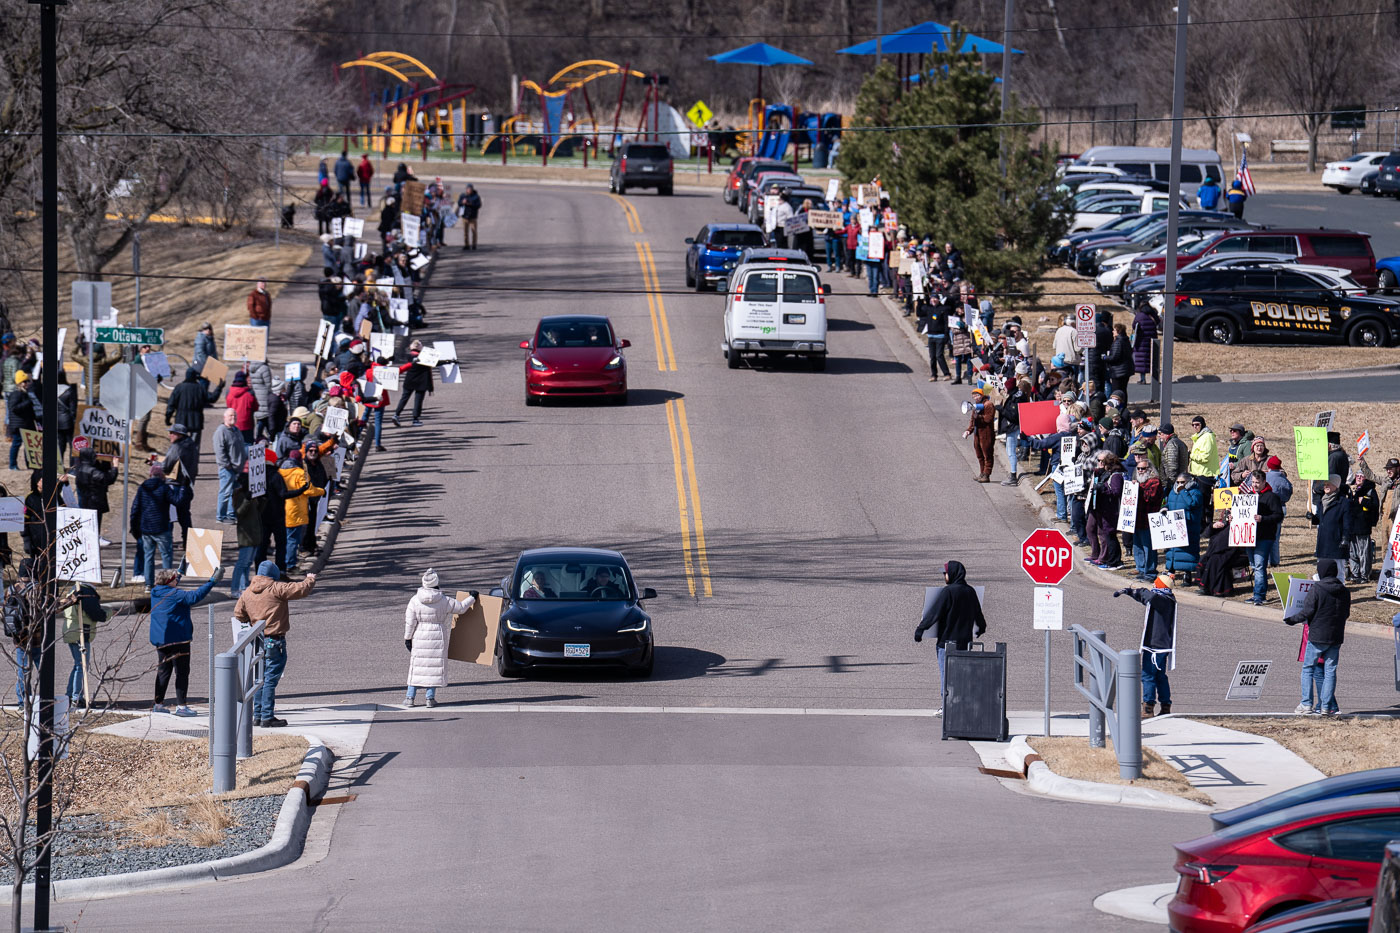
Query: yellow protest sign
{"x": 1224, "y": 497}
{"x": 699, "y": 113}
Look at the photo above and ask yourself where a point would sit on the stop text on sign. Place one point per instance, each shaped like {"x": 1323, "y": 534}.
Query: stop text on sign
{"x": 1046, "y": 556}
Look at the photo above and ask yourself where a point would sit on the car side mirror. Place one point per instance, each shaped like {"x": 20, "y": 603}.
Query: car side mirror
{"x": 524, "y": 344}
{"x": 648, "y": 593}
{"x": 624, "y": 344}
{"x": 505, "y": 585}
{"x": 826, "y": 288}
{"x": 689, "y": 240}
{"x": 497, "y": 592}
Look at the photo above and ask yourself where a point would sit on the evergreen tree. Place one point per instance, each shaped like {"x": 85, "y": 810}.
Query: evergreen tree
{"x": 865, "y": 154}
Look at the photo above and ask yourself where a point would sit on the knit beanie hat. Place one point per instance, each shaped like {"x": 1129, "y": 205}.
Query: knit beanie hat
{"x": 269, "y": 569}
{"x": 430, "y": 579}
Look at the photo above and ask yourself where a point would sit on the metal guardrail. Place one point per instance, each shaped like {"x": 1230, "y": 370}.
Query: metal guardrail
{"x": 1113, "y": 686}
{"x": 238, "y": 675}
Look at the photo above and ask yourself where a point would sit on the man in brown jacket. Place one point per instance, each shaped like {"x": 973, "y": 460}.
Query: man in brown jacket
{"x": 259, "y": 306}
{"x": 980, "y": 427}
{"x": 265, "y": 599}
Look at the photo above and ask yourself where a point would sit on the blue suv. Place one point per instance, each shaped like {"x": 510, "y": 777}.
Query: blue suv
{"x": 715, "y": 245}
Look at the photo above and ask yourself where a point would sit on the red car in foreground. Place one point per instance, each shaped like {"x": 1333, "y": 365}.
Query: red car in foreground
{"x": 575, "y": 355}
{"x": 1261, "y": 867}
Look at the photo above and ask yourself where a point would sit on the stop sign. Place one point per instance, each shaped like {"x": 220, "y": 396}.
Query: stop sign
{"x": 1047, "y": 556}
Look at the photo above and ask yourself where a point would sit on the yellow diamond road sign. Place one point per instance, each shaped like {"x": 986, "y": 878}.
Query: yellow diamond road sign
{"x": 698, "y": 113}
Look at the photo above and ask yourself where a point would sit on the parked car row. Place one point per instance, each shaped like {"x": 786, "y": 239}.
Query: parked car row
{"x": 1373, "y": 173}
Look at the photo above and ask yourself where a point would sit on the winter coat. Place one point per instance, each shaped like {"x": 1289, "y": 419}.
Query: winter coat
{"x": 344, "y": 170}
{"x": 266, "y": 599}
{"x": 245, "y": 405}
{"x": 287, "y": 442}
{"x": 1010, "y": 413}
{"x": 67, "y": 409}
{"x": 1205, "y": 454}
{"x": 1119, "y": 359}
{"x": 84, "y": 615}
{"x": 1325, "y": 607}
{"x": 1247, "y": 464}
{"x": 1188, "y": 500}
{"x": 1149, "y": 500}
{"x": 187, "y": 403}
{"x": 275, "y": 499}
{"x": 364, "y": 171}
{"x": 186, "y": 453}
{"x": 150, "y": 510}
{"x": 249, "y": 518}
{"x": 230, "y": 449}
{"x": 259, "y": 305}
{"x": 1269, "y": 515}
{"x": 981, "y": 421}
{"x": 261, "y": 383}
{"x": 960, "y": 341}
{"x": 1329, "y": 530}
{"x": 1175, "y": 457}
{"x": 470, "y": 205}
{"x": 19, "y": 410}
{"x": 1105, "y": 495}
{"x": 170, "y": 613}
{"x": 416, "y": 377}
{"x": 1279, "y": 482}
{"x": 428, "y": 622}
{"x": 1145, "y": 330}
{"x": 956, "y": 614}
{"x": 388, "y": 219}
{"x": 204, "y": 348}
{"x": 1362, "y": 511}
{"x": 1159, "y": 622}
{"x": 298, "y": 509}
{"x": 92, "y": 478}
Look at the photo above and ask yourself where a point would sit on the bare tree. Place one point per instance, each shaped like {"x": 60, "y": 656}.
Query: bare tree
{"x": 1315, "y": 62}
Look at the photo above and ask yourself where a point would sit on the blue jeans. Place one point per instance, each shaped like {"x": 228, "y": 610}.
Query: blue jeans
{"x": 1274, "y": 545}
{"x": 1061, "y": 503}
{"x": 16, "y": 445}
{"x": 254, "y": 322}
{"x": 242, "y": 570}
{"x": 294, "y": 535}
{"x": 21, "y": 668}
{"x": 1013, "y": 443}
{"x": 1144, "y": 558}
{"x": 1320, "y": 674}
{"x": 379, "y": 426}
{"x": 75, "y": 679}
{"x": 227, "y": 480}
{"x": 1155, "y": 686}
{"x": 872, "y": 276}
{"x": 274, "y": 663}
{"x": 413, "y": 691}
{"x": 942, "y": 672}
{"x": 959, "y": 362}
{"x": 1259, "y": 562}
{"x": 166, "y": 544}
{"x": 1078, "y": 521}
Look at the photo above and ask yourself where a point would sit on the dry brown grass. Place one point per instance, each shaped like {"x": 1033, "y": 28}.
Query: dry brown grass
{"x": 1332, "y": 746}
{"x": 1071, "y": 756}
{"x": 1203, "y": 359}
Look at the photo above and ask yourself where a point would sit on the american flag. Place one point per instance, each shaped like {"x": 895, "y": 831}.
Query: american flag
{"x": 1243, "y": 174}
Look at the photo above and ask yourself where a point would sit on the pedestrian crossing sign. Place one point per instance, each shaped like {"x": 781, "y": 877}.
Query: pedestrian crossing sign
{"x": 699, "y": 114}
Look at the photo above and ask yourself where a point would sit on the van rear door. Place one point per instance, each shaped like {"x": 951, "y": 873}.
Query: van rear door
{"x": 755, "y": 306}
{"x": 803, "y": 316}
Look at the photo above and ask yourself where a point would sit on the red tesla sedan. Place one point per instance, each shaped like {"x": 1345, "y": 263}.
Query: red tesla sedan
{"x": 1252, "y": 870}
{"x": 575, "y": 355}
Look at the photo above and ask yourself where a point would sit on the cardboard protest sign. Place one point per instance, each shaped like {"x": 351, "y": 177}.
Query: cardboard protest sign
{"x": 413, "y": 197}
{"x": 1244, "y": 510}
{"x": 1310, "y": 447}
{"x": 33, "y": 448}
{"x": 1038, "y": 417}
{"x": 448, "y": 369}
{"x": 429, "y": 356}
{"x": 11, "y": 514}
{"x": 104, "y": 430}
{"x": 825, "y": 220}
{"x": 1127, "y": 507}
{"x": 387, "y": 377}
{"x": 214, "y": 369}
{"x": 1223, "y": 496}
{"x": 366, "y": 328}
{"x": 473, "y": 636}
{"x": 245, "y": 342}
{"x": 1168, "y": 529}
{"x": 257, "y": 469}
{"x": 335, "y": 421}
{"x": 203, "y": 551}
{"x": 78, "y": 552}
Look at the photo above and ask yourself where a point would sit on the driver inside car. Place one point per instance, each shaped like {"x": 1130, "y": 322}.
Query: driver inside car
{"x": 601, "y": 585}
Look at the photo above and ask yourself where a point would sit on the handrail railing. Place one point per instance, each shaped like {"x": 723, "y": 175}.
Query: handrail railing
{"x": 238, "y": 675}
{"x": 1113, "y": 685}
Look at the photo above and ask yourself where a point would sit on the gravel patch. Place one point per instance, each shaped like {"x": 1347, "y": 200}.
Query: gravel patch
{"x": 90, "y": 846}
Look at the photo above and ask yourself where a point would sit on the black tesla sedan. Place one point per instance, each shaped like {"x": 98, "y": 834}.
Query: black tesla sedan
{"x": 573, "y": 607}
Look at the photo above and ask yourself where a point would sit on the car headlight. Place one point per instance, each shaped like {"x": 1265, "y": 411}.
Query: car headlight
{"x": 614, "y": 363}
{"x": 515, "y": 626}
{"x": 639, "y": 627}
{"x": 537, "y": 364}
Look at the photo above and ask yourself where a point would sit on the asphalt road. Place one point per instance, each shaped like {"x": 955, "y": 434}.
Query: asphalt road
{"x": 827, "y": 501}
{"x": 1380, "y": 217}
{"x": 1377, "y": 387}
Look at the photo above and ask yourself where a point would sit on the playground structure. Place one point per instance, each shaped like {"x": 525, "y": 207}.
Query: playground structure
{"x": 782, "y": 125}
{"x": 419, "y": 109}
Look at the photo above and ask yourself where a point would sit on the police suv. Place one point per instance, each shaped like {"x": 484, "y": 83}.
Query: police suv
{"x": 1279, "y": 306}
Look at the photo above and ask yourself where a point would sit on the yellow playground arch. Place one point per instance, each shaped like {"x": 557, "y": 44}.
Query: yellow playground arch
{"x": 432, "y": 107}
{"x": 575, "y": 77}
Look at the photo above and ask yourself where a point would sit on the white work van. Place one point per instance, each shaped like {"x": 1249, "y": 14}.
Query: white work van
{"x": 775, "y": 308}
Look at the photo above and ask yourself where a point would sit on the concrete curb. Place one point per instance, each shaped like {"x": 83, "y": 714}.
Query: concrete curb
{"x": 282, "y": 849}
{"x": 1146, "y": 902}
{"x": 1041, "y": 780}
{"x": 1290, "y": 376}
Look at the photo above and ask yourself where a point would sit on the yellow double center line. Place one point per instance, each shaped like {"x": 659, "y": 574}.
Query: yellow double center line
{"x": 693, "y": 550}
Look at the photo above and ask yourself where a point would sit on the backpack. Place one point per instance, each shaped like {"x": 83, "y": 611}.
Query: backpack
{"x": 15, "y": 612}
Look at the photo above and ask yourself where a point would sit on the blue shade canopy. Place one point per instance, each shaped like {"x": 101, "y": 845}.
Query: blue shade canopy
{"x": 761, "y": 54}
{"x": 924, "y": 38}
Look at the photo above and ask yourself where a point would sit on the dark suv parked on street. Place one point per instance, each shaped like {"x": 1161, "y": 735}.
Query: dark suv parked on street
{"x": 1388, "y": 179}
{"x": 642, "y": 165}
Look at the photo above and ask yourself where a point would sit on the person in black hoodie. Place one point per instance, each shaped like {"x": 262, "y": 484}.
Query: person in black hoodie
{"x": 19, "y": 415}
{"x": 92, "y": 477}
{"x": 1158, "y": 643}
{"x": 187, "y": 403}
{"x": 955, "y": 615}
{"x": 1325, "y": 609}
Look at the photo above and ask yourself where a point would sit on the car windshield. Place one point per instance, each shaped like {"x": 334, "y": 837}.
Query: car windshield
{"x": 573, "y": 580}
{"x": 635, "y": 151}
{"x": 574, "y": 332}
{"x": 725, "y": 239}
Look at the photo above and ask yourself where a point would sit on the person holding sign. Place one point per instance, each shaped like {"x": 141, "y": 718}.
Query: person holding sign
{"x": 20, "y": 409}
{"x": 427, "y": 629}
{"x": 1149, "y": 499}
{"x": 1329, "y": 517}
{"x": 1266, "y": 518}
{"x": 1324, "y": 609}
{"x": 93, "y": 477}
{"x": 1363, "y": 510}
{"x": 1186, "y": 497}
{"x": 172, "y": 631}
{"x": 1158, "y": 644}
{"x": 298, "y": 510}
{"x": 417, "y": 381}
{"x": 80, "y": 621}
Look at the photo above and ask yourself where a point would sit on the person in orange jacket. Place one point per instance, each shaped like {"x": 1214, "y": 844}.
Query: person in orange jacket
{"x": 298, "y": 509}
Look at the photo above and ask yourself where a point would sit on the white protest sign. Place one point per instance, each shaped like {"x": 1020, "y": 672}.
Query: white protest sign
{"x": 385, "y": 288}
{"x": 428, "y": 356}
{"x": 361, "y": 250}
{"x": 354, "y": 226}
{"x": 867, "y": 219}
{"x": 1127, "y": 507}
{"x": 369, "y": 389}
{"x": 770, "y": 210}
{"x": 104, "y": 431}
{"x": 419, "y": 261}
{"x": 398, "y": 309}
{"x": 324, "y": 331}
{"x": 447, "y": 354}
{"x": 1248, "y": 682}
{"x": 11, "y": 514}
{"x": 833, "y": 187}
{"x": 1243, "y": 509}
{"x": 1048, "y": 612}
{"x": 387, "y": 377}
{"x": 78, "y": 551}
{"x": 1324, "y": 419}
{"x": 335, "y": 420}
{"x": 875, "y": 248}
{"x": 156, "y": 364}
{"x": 410, "y": 226}
{"x": 1168, "y": 529}
{"x": 1072, "y": 480}
{"x": 1388, "y": 586}
{"x": 1363, "y": 444}
{"x": 62, "y": 339}
{"x": 292, "y": 372}
{"x": 382, "y": 345}
{"x": 339, "y": 463}
{"x": 257, "y": 469}
{"x": 337, "y": 227}
{"x": 1296, "y": 591}
{"x": 323, "y": 503}
{"x": 1067, "y": 445}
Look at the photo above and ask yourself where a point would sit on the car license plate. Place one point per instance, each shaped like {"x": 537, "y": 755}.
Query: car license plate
{"x": 648, "y": 168}
{"x": 577, "y": 651}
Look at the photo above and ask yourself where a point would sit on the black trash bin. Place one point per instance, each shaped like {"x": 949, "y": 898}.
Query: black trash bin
{"x": 819, "y": 156}
{"x": 974, "y": 693}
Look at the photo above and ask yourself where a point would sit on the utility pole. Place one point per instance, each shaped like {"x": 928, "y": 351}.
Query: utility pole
{"x": 48, "y": 95}
{"x": 1005, "y": 87}
{"x": 1173, "y": 210}
{"x": 879, "y": 29}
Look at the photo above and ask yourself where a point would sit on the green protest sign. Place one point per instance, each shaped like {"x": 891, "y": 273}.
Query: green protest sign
{"x": 1310, "y": 445}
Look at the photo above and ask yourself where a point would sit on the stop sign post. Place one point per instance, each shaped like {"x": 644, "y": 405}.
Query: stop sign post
{"x": 1047, "y": 557}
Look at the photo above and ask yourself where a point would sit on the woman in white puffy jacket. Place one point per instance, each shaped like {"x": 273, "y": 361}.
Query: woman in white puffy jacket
{"x": 427, "y": 629}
